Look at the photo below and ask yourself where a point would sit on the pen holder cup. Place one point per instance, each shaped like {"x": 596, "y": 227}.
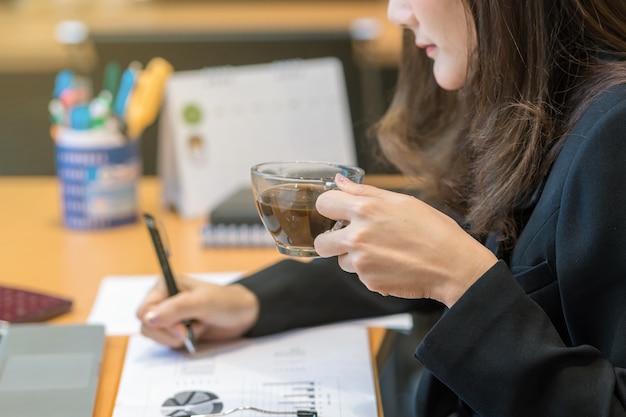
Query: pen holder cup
{"x": 98, "y": 183}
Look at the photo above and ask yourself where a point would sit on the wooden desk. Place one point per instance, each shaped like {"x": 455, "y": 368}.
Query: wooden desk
{"x": 37, "y": 252}
{"x": 27, "y": 43}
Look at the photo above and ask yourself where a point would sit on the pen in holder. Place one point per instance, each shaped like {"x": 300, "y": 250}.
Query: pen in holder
{"x": 97, "y": 141}
{"x": 98, "y": 171}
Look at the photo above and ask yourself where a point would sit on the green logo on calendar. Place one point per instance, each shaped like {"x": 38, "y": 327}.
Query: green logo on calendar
{"x": 192, "y": 114}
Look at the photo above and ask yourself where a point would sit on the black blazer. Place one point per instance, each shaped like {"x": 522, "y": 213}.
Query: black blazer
{"x": 544, "y": 335}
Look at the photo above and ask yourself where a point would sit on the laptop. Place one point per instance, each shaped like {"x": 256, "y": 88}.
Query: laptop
{"x": 49, "y": 370}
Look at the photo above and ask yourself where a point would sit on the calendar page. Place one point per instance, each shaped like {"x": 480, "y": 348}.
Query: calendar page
{"x": 218, "y": 122}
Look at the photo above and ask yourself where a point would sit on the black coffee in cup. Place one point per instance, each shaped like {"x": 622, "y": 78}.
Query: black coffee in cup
{"x": 289, "y": 214}
{"x": 286, "y": 194}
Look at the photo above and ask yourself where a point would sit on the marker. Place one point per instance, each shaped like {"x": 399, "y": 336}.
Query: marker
{"x": 80, "y": 117}
{"x": 111, "y": 78}
{"x": 168, "y": 276}
{"x": 57, "y": 112}
{"x": 127, "y": 83}
{"x": 99, "y": 111}
{"x": 145, "y": 100}
{"x": 63, "y": 80}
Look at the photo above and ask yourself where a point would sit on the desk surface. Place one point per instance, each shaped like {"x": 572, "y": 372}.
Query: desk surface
{"x": 38, "y": 253}
{"x": 27, "y": 26}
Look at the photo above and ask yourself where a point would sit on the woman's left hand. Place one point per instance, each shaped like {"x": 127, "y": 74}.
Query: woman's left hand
{"x": 399, "y": 245}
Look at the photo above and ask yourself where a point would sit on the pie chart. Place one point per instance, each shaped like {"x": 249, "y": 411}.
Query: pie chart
{"x": 191, "y": 403}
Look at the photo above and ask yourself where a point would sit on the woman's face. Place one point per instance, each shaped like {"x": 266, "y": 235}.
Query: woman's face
{"x": 441, "y": 29}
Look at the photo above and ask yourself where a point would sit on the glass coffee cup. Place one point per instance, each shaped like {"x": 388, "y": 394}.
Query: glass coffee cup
{"x": 285, "y": 194}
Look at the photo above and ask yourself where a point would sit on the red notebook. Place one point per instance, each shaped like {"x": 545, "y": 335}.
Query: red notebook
{"x": 24, "y": 306}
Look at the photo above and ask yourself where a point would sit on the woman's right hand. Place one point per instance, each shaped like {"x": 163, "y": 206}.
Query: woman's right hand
{"x": 217, "y": 312}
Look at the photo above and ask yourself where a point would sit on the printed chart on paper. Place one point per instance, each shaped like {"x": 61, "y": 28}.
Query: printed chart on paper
{"x": 326, "y": 369}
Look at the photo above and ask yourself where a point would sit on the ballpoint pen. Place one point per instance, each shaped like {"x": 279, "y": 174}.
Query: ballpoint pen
{"x": 168, "y": 275}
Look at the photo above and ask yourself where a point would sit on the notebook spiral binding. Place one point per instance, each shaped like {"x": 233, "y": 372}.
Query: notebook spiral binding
{"x": 235, "y": 235}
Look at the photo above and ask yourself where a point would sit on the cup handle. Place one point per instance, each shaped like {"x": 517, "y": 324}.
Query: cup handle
{"x": 339, "y": 224}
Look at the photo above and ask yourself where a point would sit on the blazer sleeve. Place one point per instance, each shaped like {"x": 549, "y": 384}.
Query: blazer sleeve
{"x": 296, "y": 294}
{"x": 497, "y": 348}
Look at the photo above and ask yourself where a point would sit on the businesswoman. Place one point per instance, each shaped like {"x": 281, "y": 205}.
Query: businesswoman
{"x": 515, "y": 114}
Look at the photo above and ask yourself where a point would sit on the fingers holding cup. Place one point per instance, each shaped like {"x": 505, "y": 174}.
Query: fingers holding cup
{"x": 286, "y": 194}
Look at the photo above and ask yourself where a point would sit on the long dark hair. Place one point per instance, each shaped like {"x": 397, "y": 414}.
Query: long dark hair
{"x": 485, "y": 149}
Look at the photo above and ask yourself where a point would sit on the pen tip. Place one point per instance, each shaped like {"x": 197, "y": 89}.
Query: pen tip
{"x": 189, "y": 346}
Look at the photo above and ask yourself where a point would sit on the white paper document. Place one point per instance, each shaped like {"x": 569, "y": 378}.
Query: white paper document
{"x": 119, "y": 297}
{"x": 324, "y": 369}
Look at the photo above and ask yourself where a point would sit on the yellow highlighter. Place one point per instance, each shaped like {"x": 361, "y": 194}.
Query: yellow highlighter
{"x": 146, "y": 97}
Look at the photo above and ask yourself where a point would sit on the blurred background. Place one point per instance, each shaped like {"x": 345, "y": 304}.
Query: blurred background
{"x": 190, "y": 34}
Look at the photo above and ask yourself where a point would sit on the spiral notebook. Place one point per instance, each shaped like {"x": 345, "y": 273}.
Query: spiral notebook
{"x": 235, "y": 222}
{"x": 218, "y": 122}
